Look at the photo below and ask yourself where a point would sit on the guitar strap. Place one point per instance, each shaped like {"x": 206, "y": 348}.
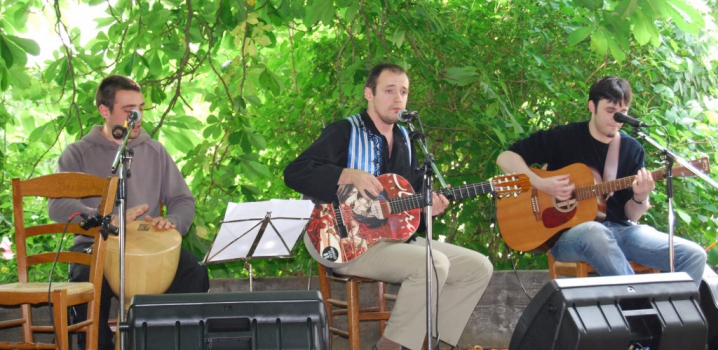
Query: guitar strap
{"x": 610, "y": 168}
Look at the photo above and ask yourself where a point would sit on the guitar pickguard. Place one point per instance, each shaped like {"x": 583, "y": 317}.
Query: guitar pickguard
{"x": 552, "y": 217}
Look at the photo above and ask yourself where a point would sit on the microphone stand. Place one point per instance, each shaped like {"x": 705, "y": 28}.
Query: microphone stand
{"x": 669, "y": 159}
{"x": 429, "y": 168}
{"x": 121, "y": 166}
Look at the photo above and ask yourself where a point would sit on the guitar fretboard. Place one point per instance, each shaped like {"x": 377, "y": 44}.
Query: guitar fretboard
{"x": 400, "y": 204}
{"x": 607, "y": 187}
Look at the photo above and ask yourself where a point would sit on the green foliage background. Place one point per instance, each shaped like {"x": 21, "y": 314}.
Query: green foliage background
{"x": 237, "y": 88}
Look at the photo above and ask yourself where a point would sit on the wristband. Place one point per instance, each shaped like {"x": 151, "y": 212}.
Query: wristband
{"x": 633, "y": 198}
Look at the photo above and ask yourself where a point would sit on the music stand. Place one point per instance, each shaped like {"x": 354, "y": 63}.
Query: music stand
{"x": 259, "y": 230}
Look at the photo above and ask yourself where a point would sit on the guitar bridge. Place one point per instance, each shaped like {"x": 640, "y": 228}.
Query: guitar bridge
{"x": 535, "y": 206}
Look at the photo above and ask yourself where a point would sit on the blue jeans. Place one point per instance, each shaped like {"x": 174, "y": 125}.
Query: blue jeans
{"x": 609, "y": 246}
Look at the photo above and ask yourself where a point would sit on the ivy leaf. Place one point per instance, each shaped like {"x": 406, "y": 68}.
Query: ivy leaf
{"x": 599, "y": 44}
{"x": 178, "y": 139}
{"x": 616, "y": 51}
{"x": 461, "y": 76}
{"x": 687, "y": 18}
{"x": 257, "y": 141}
{"x": 684, "y": 216}
{"x": 320, "y": 10}
{"x": 270, "y": 82}
{"x": 11, "y": 53}
{"x": 29, "y": 46}
{"x": 589, "y": 4}
{"x": 398, "y": 37}
{"x": 645, "y": 30}
{"x": 235, "y": 137}
{"x": 579, "y": 35}
{"x": 19, "y": 78}
{"x": 4, "y": 78}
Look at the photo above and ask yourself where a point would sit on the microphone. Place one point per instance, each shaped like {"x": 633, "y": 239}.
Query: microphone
{"x": 134, "y": 116}
{"x": 406, "y": 115}
{"x": 622, "y": 118}
{"x": 119, "y": 131}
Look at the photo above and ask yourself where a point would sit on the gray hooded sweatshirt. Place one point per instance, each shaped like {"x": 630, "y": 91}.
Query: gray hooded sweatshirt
{"x": 154, "y": 179}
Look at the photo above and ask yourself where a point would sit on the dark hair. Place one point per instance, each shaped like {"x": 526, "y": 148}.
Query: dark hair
{"x": 614, "y": 89}
{"x": 376, "y": 72}
{"x": 108, "y": 87}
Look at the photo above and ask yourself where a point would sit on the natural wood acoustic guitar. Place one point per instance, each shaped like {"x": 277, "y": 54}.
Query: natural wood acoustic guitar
{"x": 531, "y": 221}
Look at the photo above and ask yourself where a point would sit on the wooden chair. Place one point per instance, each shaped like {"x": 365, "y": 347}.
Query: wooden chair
{"x": 350, "y": 307}
{"x": 64, "y": 294}
{"x": 582, "y": 269}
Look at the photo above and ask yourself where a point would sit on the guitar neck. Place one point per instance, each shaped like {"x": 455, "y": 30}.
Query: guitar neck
{"x": 400, "y": 204}
{"x": 607, "y": 187}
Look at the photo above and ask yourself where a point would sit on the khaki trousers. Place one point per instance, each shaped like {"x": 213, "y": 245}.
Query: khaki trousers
{"x": 462, "y": 276}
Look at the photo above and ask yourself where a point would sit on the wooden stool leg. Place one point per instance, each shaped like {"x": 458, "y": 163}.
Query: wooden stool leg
{"x": 381, "y": 290}
{"x": 325, "y": 287}
{"x": 551, "y": 266}
{"x": 353, "y": 314}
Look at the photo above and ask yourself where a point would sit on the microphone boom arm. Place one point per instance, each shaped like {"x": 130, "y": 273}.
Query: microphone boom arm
{"x": 121, "y": 149}
{"x": 678, "y": 159}
{"x": 429, "y": 156}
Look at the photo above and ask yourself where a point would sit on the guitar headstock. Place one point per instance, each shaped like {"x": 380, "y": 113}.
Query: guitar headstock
{"x": 510, "y": 185}
{"x": 700, "y": 164}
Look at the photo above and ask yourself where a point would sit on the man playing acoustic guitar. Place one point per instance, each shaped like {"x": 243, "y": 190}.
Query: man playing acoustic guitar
{"x": 607, "y": 246}
{"x": 462, "y": 274}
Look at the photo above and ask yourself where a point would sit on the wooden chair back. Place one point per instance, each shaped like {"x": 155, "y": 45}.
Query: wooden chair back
{"x": 29, "y": 254}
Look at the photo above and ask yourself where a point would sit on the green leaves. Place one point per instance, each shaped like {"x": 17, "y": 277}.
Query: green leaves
{"x": 461, "y": 76}
{"x": 320, "y": 10}
{"x": 579, "y": 35}
{"x": 638, "y": 18}
{"x": 14, "y": 50}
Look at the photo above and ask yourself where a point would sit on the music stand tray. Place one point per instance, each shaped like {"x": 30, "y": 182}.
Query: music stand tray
{"x": 259, "y": 230}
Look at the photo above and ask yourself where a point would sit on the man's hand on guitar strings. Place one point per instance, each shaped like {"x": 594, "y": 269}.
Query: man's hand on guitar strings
{"x": 642, "y": 185}
{"x": 367, "y": 185}
{"x": 439, "y": 204}
{"x": 557, "y": 186}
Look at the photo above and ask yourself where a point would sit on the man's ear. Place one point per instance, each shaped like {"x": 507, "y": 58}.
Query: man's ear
{"x": 368, "y": 94}
{"x": 591, "y": 107}
{"x": 104, "y": 111}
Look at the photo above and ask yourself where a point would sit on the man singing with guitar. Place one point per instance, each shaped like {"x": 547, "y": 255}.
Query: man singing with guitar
{"x": 354, "y": 151}
{"x": 607, "y": 246}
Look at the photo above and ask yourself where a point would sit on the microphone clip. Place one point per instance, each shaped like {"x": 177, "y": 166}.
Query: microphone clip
{"x": 104, "y": 222}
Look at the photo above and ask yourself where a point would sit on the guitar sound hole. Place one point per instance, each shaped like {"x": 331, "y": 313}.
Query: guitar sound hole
{"x": 565, "y": 206}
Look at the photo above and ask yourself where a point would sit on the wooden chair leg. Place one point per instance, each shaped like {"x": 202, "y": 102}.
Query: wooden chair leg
{"x": 551, "y": 266}
{"x": 581, "y": 269}
{"x": 60, "y": 317}
{"x": 381, "y": 291}
{"x": 353, "y": 315}
{"x": 27, "y": 334}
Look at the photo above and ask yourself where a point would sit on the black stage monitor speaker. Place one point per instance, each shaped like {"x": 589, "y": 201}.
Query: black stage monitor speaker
{"x": 242, "y": 320}
{"x": 650, "y": 312}
{"x": 709, "y": 305}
